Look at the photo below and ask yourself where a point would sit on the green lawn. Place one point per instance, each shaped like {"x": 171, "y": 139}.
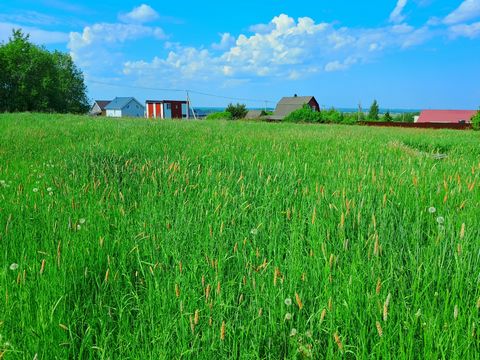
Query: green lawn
{"x": 139, "y": 239}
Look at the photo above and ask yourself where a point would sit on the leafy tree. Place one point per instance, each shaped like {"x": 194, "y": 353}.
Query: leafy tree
{"x": 374, "y": 110}
{"x": 34, "y": 79}
{"x": 476, "y": 121}
{"x": 387, "y": 117}
{"x": 238, "y": 111}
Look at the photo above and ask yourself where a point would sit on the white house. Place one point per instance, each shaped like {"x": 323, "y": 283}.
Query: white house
{"x": 125, "y": 107}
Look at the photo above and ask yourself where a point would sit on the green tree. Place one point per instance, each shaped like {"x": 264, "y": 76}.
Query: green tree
{"x": 476, "y": 121}
{"x": 238, "y": 111}
{"x": 374, "y": 110}
{"x": 33, "y": 79}
{"x": 387, "y": 117}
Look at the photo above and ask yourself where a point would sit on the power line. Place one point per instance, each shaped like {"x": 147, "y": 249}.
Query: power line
{"x": 181, "y": 90}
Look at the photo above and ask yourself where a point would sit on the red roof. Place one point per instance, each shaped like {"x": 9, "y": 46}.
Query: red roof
{"x": 446, "y": 116}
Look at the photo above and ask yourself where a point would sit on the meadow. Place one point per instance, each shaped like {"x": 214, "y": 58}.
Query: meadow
{"x": 138, "y": 239}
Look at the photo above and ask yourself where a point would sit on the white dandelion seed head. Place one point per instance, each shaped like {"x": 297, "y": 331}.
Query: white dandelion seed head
{"x": 14, "y": 266}
{"x": 293, "y": 332}
{"x": 308, "y": 333}
{"x": 81, "y": 221}
{"x": 49, "y": 189}
{"x": 288, "y": 301}
{"x": 432, "y": 210}
{"x": 254, "y": 231}
{"x": 440, "y": 220}
{"x": 288, "y": 316}
{"x": 2, "y": 182}
{"x": 79, "y": 227}
{"x": 35, "y": 190}
{"x": 50, "y": 193}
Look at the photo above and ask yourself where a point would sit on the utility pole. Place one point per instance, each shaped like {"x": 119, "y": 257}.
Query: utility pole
{"x": 188, "y": 107}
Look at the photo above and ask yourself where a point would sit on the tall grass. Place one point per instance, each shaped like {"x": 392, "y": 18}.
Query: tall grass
{"x": 140, "y": 239}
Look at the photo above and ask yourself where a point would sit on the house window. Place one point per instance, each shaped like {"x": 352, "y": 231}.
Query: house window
{"x": 169, "y": 106}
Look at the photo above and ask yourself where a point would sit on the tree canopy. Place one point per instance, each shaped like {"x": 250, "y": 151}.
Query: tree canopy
{"x": 374, "y": 110}
{"x": 34, "y": 79}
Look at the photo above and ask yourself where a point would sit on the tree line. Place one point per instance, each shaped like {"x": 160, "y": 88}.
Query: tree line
{"x": 34, "y": 79}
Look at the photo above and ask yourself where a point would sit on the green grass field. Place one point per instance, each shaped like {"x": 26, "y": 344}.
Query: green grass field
{"x": 165, "y": 240}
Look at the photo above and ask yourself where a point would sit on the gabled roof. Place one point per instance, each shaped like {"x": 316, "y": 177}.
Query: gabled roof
{"x": 120, "y": 102}
{"x": 165, "y": 101}
{"x": 102, "y": 103}
{"x": 446, "y": 116}
{"x": 289, "y": 104}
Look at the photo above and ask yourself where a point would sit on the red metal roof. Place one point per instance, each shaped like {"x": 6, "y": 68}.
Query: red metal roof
{"x": 446, "y": 116}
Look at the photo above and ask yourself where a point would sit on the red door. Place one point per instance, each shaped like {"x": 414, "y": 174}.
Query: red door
{"x": 176, "y": 110}
{"x": 157, "y": 108}
{"x": 150, "y": 110}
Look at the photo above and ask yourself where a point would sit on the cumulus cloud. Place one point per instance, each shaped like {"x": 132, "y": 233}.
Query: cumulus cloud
{"x": 97, "y": 45}
{"x": 290, "y": 49}
{"x": 468, "y": 10}
{"x": 471, "y": 31}
{"x": 141, "y": 14}
{"x": 396, "y": 15}
{"x": 38, "y": 36}
{"x": 226, "y": 41}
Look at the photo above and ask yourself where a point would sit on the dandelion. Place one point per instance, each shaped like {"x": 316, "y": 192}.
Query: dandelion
{"x": 309, "y": 333}
{"x": 79, "y": 226}
{"x": 49, "y": 189}
{"x": 35, "y": 190}
{"x": 81, "y": 221}
{"x": 455, "y": 312}
{"x": 440, "y": 220}
{"x": 50, "y": 193}
{"x": 293, "y": 332}
{"x": 254, "y": 231}
{"x": 14, "y": 266}
{"x": 288, "y": 316}
{"x": 288, "y": 301}
{"x": 432, "y": 210}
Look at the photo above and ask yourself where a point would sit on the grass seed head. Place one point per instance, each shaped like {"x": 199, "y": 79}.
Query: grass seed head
{"x": 379, "y": 329}
{"x": 336, "y": 337}
{"x": 222, "y": 331}
{"x": 299, "y": 301}
{"x": 385, "y": 307}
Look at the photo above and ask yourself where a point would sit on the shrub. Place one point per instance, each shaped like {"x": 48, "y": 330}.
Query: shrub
{"x": 305, "y": 114}
{"x": 387, "y": 117}
{"x": 476, "y": 121}
{"x": 238, "y": 111}
{"x": 225, "y": 115}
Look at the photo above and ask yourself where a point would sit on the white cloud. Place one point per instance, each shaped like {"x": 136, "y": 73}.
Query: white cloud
{"x": 98, "y": 47}
{"x": 396, "y": 15}
{"x": 468, "y": 10}
{"x": 141, "y": 14}
{"x": 38, "y": 36}
{"x": 226, "y": 41}
{"x": 471, "y": 31}
{"x": 290, "y": 49}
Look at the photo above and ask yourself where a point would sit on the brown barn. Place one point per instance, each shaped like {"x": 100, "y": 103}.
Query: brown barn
{"x": 288, "y": 105}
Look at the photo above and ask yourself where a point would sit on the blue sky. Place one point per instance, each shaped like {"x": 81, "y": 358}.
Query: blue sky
{"x": 404, "y": 53}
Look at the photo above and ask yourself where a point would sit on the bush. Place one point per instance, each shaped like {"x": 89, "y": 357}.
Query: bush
{"x": 476, "y": 121}
{"x": 238, "y": 111}
{"x": 225, "y": 115}
{"x": 305, "y": 114}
